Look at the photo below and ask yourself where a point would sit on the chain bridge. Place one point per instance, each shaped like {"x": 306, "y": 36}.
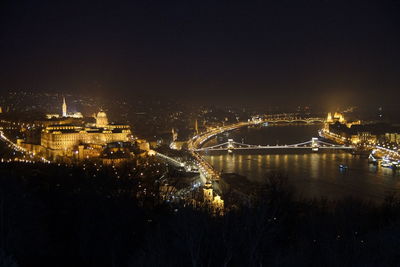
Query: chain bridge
{"x": 314, "y": 144}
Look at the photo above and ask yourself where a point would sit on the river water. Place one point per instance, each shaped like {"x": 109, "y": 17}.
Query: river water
{"x": 313, "y": 175}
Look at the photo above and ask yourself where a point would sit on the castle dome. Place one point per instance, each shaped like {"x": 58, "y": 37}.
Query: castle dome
{"x": 101, "y": 119}
{"x": 101, "y": 114}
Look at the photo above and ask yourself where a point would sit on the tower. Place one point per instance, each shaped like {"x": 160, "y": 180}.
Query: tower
{"x": 208, "y": 195}
{"x": 196, "y": 127}
{"x": 64, "y": 108}
{"x": 329, "y": 118}
{"x": 314, "y": 144}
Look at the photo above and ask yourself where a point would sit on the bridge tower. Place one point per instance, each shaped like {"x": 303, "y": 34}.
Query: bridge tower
{"x": 230, "y": 144}
{"x": 314, "y": 144}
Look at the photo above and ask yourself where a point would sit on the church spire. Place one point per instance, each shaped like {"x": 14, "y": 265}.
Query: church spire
{"x": 64, "y": 108}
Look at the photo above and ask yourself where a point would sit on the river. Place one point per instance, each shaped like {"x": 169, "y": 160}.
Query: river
{"x": 313, "y": 175}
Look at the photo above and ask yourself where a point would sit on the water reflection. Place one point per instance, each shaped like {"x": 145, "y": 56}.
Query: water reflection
{"x": 312, "y": 174}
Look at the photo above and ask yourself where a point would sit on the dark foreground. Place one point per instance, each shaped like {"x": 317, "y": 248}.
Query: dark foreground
{"x": 58, "y": 216}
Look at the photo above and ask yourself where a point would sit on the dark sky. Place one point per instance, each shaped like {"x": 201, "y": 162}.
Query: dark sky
{"x": 249, "y": 51}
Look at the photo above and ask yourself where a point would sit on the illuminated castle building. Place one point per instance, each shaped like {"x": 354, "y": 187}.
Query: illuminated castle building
{"x": 66, "y": 139}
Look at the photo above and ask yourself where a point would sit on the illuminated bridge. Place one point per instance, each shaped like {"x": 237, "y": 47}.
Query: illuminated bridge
{"x": 291, "y": 119}
{"x": 208, "y": 171}
{"x": 314, "y": 144}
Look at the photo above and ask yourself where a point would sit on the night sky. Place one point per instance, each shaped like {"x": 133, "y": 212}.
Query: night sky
{"x": 235, "y": 51}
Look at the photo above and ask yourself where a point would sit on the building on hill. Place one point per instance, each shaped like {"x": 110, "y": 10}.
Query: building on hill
{"x": 61, "y": 140}
{"x": 74, "y": 137}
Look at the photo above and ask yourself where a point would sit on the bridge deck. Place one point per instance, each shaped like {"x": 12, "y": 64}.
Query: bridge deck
{"x": 313, "y": 144}
{"x": 270, "y": 147}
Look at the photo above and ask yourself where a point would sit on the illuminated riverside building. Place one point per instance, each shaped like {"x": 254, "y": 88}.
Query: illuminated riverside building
{"x": 392, "y": 138}
{"x": 337, "y": 117}
{"x": 363, "y": 137}
{"x": 341, "y": 130}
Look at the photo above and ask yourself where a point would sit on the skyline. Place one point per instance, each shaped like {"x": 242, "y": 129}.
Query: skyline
{"x": 284, "y": 53}
{"x": 199, "y": 133}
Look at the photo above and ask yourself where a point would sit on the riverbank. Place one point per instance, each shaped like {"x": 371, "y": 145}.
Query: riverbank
{"x": 313, "y": 175}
